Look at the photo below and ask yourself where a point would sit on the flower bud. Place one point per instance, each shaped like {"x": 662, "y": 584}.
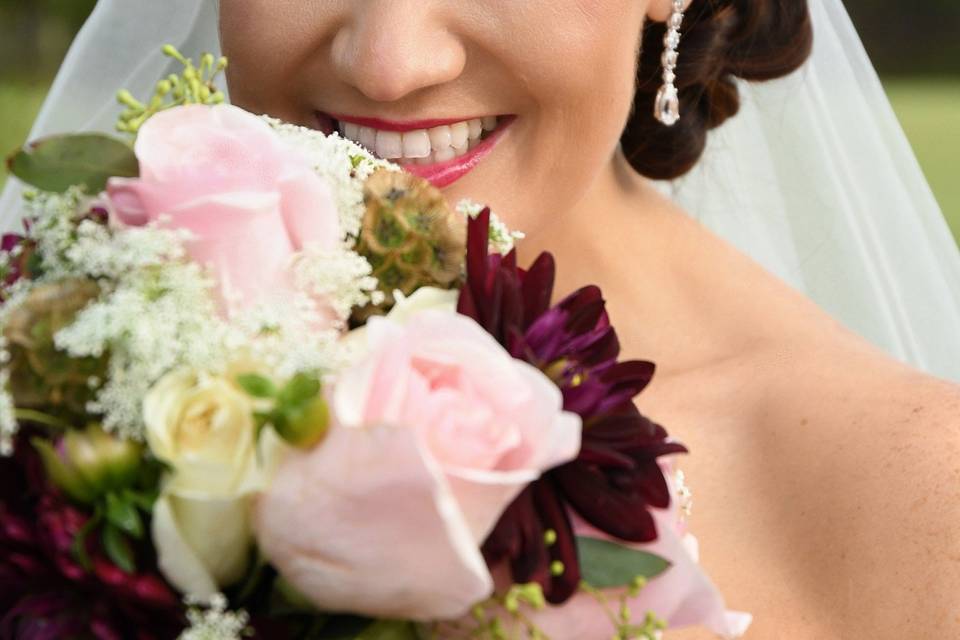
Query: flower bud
{"x": 306, "y": 424}
{"x": 89, "y": 464}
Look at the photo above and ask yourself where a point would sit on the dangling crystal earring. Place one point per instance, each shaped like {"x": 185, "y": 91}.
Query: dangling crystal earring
{"x": 666, "y": 107}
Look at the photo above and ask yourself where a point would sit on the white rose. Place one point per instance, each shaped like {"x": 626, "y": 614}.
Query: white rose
{"x": 203, "y": 427}
{"x": 406, "y": 307}
{"x": 423, "y": 299}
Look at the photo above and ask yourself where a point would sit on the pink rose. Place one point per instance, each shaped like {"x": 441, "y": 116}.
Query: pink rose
{"x": 436, "y": 432}
{"x": 224, "y": 175}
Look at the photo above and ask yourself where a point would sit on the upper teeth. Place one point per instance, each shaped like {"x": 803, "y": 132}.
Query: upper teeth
{"x": 423, "y": 146}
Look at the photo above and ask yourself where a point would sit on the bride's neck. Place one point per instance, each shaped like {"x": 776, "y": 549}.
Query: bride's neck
{"x": 670, "y": 288}
{"x": 614, "y": 204}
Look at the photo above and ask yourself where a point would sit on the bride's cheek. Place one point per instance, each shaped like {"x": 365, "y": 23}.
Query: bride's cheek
{"x": 272, "y": 46}
{"x": 581, "y": 86}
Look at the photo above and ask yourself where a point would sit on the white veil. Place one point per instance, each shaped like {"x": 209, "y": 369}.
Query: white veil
{"x": 814, "y": 178}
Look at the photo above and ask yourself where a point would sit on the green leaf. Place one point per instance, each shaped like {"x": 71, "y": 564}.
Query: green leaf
{"x": 78, "y": 548}
{"x": 62, "y": 474}
{"x": 389, "y": 630}
{"x": 143, "y": 500}
{"x": 256, "y": 385}
{"x": 311, "y": 628}
{"x": 261, "y": 419}
{"x": 337, "y": 627}
{"x": 59, "y": 162}
{"x": 286, "y": 600}
{"x": 123, "y": 514}
{"x": 300, "y": 389}
{"x": 117, "y": 548}
{"x": 256, "y": 574}
{"x": 607, "y": 565}
{"x": 34, "y": 267}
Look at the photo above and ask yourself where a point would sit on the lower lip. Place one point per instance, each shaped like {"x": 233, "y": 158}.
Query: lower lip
{"x": 442, "y": 174}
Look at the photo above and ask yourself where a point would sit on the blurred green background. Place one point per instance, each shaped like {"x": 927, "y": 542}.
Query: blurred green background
{"x": 915, "y": 46}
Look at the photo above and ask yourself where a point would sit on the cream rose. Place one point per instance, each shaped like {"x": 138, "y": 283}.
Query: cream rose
{"x": 406, "y": 307}
{"x": 202, "y": 426}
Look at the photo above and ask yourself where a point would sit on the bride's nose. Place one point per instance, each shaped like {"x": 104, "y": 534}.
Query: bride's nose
{"x": 388, "y": 49}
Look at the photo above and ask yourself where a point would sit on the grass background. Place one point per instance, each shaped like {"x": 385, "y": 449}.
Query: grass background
{"x": 928, "y": 108}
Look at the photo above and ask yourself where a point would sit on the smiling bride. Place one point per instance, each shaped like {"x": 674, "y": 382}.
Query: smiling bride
{"x": 730, "y": 174}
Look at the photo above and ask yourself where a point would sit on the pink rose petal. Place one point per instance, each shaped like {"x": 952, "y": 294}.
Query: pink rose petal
{"x": 366, "y": 523}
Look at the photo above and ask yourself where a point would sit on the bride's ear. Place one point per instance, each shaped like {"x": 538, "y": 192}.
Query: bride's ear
{"x": 660, "y": 10}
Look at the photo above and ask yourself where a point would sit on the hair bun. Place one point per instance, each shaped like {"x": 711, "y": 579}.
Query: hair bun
{"x": 720, "y": 40}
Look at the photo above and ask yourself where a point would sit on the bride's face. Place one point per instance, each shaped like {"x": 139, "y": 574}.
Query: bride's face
{"x": 519, "y": 103}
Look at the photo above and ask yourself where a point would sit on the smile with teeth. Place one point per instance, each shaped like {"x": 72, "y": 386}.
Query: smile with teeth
{"x": 421, "y": 146}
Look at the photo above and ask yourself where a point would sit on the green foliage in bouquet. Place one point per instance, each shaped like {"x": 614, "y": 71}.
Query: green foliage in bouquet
{"x": 353, "y": 628}
{"x": 109, "y": 476}
{"x": 88, "y": 160}
{"x": 121, "y": 516}
{"x": 89, "y": 465}
{"x": 297, "y": 410}
{"x": 194, "y": 85}
{"x": 410, "y": 237}
{"x": 605, "y": 564}
{"x": 42, "y": 376}
{"x": 264, "y": 590}
{"x": 608, "y": 565}
{"x": 59, "y": 162}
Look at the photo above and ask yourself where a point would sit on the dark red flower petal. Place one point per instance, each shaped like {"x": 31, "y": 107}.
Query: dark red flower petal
{"x": 9, "y": 241}
{"x": 538, "y": 288}
{"x": 553, "y": 515}
{"x": 621, "y": 514}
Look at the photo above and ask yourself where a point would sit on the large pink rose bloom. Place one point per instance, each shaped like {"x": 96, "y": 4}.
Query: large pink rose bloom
{"x": 436, "y": 432}
{"x": 224, "y": 175}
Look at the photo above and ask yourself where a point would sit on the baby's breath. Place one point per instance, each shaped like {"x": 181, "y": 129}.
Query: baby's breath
{"x": 212, "y": 621}
{"x": 53, "y": 226}
{"x": 684, "y": 494}
{"x": 101, "y": 253}
{"x": 8, "y": 421}
{"x": 150, "y": 321}
{"x": 340, "y": 276}
{"x": 287, "y": 338}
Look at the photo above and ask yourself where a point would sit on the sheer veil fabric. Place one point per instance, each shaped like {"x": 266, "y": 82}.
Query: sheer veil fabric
{"x": 814, "y": 178}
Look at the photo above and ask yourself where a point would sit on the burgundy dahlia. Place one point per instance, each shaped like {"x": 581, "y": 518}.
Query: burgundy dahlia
{"x": 44, "y": 592}
{"x": 616, "y": 479}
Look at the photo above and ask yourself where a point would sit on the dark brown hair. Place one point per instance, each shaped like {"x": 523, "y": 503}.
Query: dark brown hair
{"x": 720, "y": 40}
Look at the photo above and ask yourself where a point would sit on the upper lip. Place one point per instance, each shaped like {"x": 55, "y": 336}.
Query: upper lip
{"x": 397, "y": 125}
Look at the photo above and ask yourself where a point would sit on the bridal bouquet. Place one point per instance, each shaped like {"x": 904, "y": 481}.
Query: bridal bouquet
{"x": 259, "y": 383}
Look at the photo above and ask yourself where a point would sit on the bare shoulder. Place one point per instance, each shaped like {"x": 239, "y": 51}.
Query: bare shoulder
{"x": 830, "y": 505}
{"x": 826, "y": 476}
{"x": 890, "y": 440}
